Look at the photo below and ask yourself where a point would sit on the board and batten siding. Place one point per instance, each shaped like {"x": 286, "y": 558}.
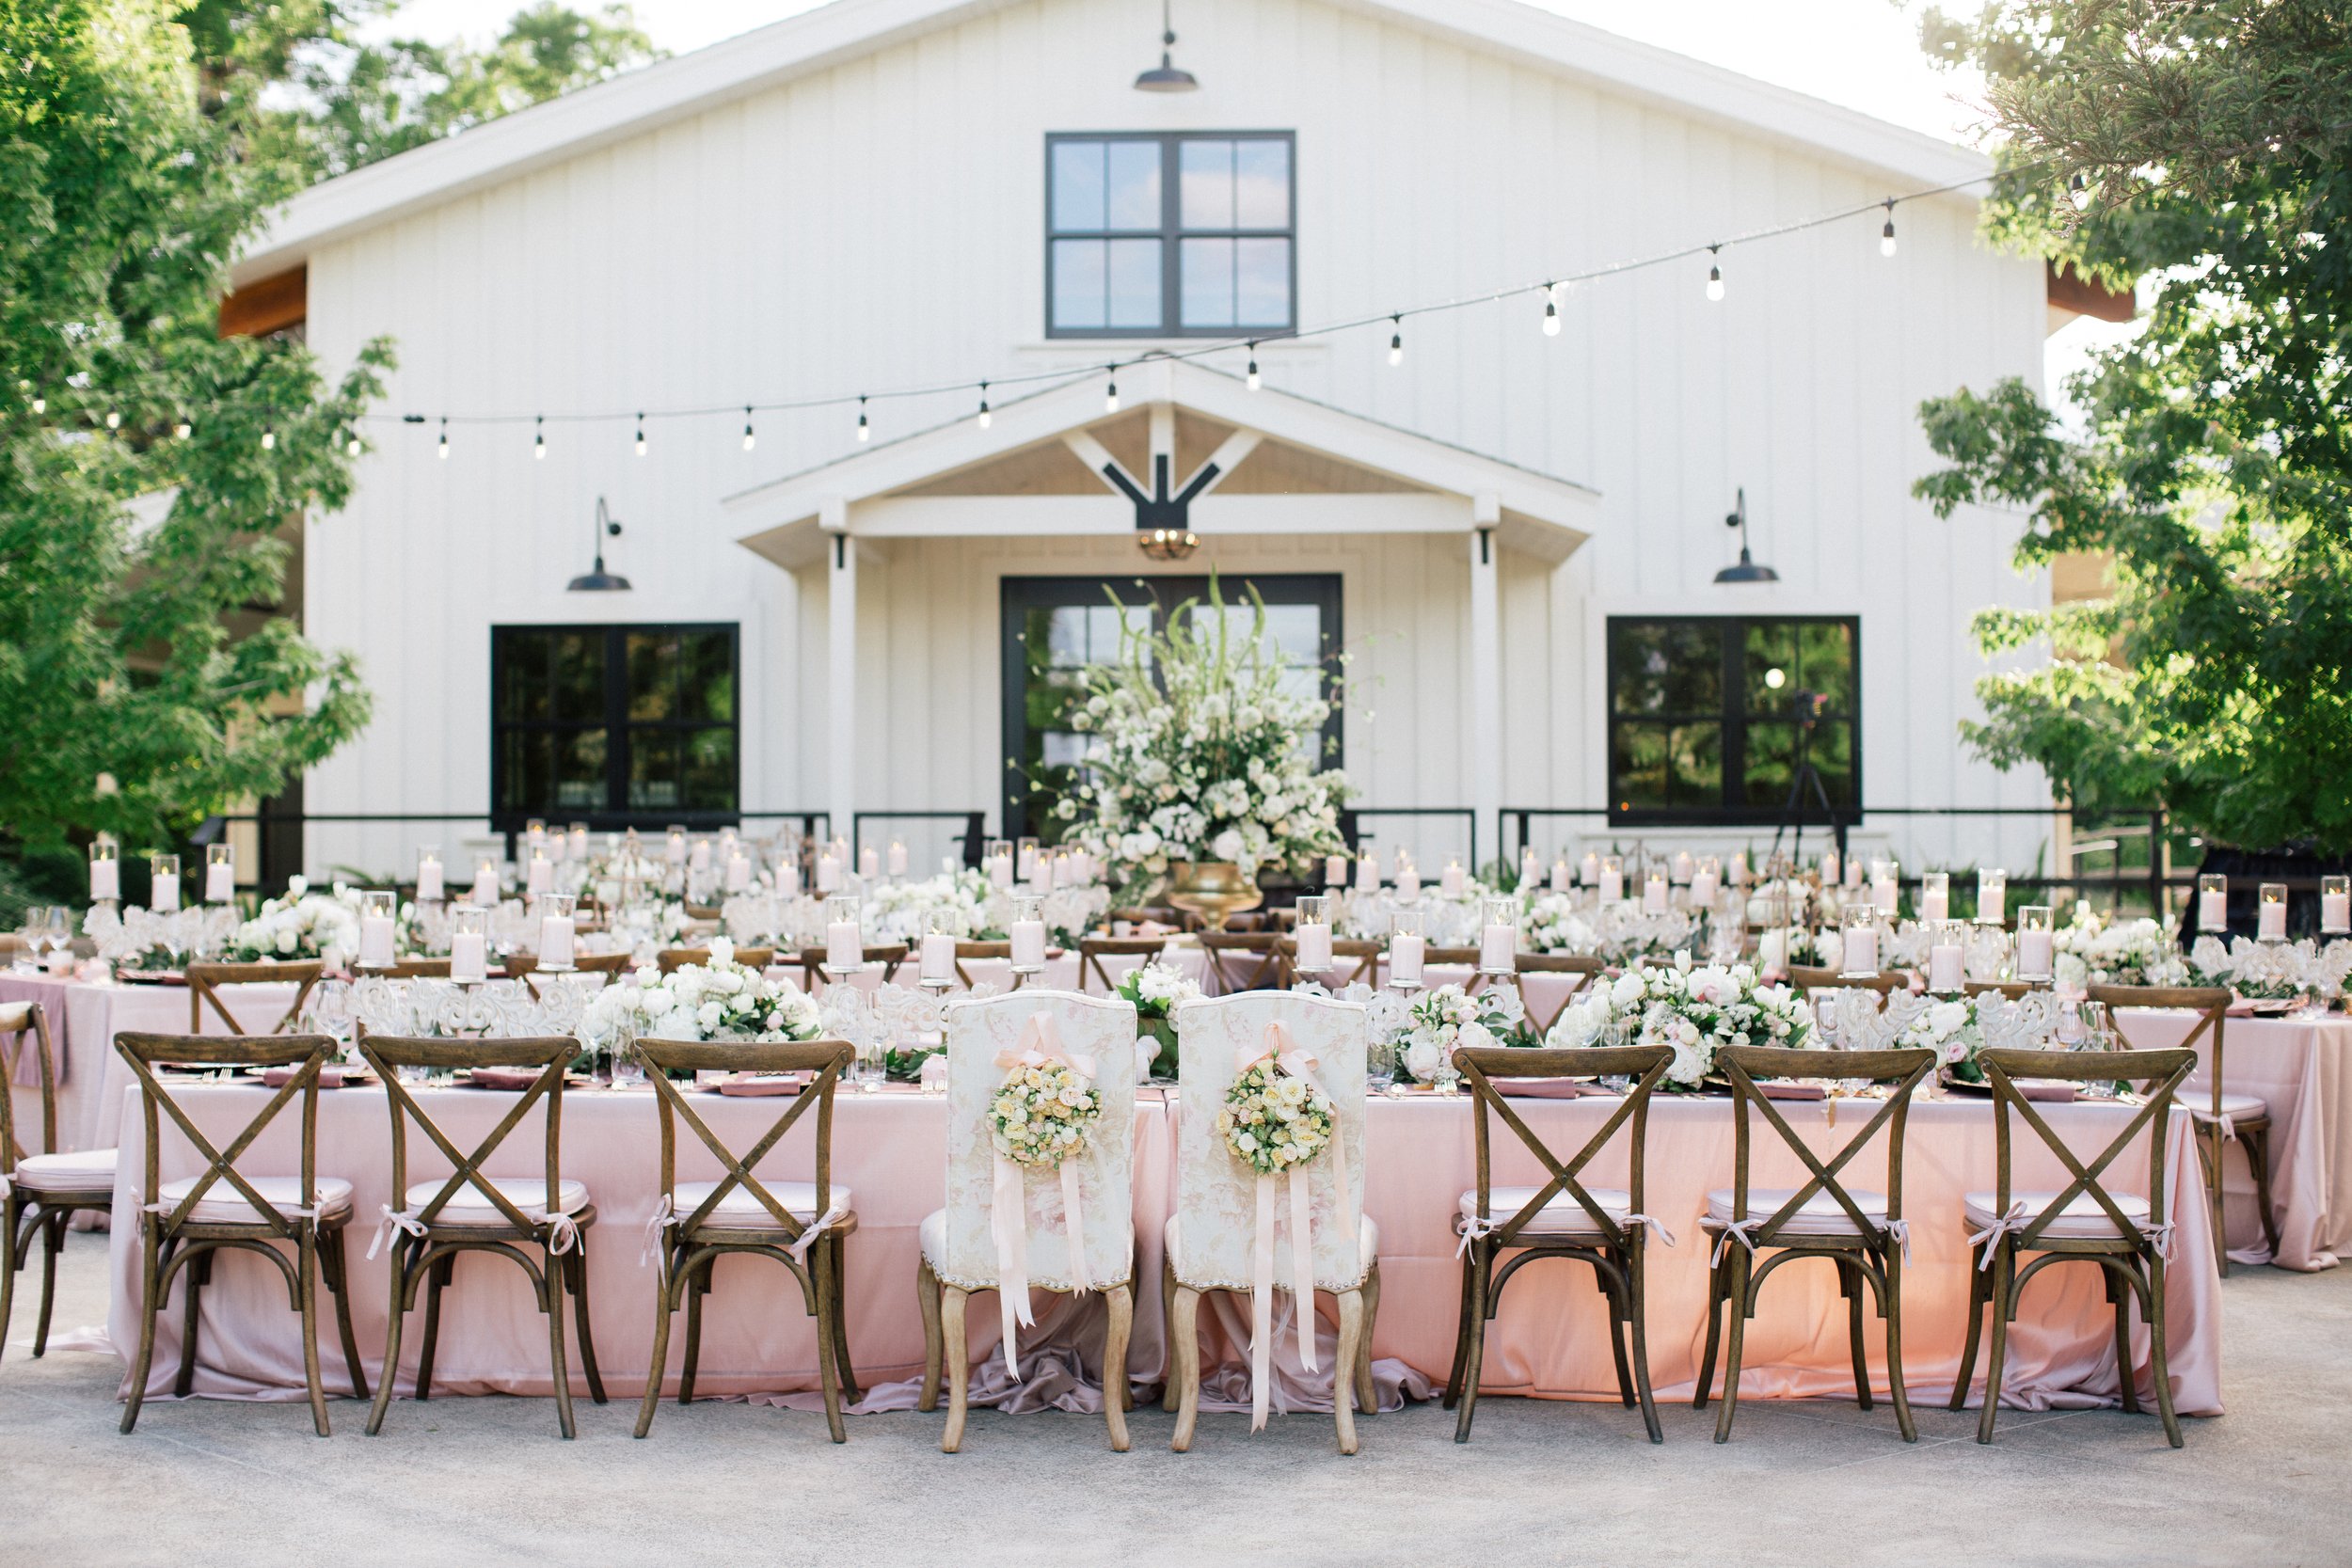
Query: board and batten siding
{"x": 878, "y": 223}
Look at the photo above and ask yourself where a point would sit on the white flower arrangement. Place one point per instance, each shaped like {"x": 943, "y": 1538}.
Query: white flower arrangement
{"x": 1274, "y": 1123}
{"x": 1446, "y": 920}
{"x": 2090, "y": 950}
{"x": 1441, "y": 1021}
{"x": 1692, "y": 1011}
{"x": 2257, "y": 971}
{"x": 1200, "y": 753}
{"x": 305, "y": 924}
{"x": 720, "y": 1001}
{"x": 1795, "y": 944}
{"x": 138, "y": 941}
{"x": 1619, "y": 932}
{"x": 1042, "y": 1114}
{"x": 1157, "y": 988}
{"x": 1949, "y": 1027}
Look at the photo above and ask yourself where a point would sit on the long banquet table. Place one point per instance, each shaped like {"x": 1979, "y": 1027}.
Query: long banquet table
{"x": 1549, "y": 1340}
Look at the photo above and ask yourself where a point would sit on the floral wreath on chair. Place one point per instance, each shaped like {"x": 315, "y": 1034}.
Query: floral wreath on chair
{"x": 1042, "y": 1111}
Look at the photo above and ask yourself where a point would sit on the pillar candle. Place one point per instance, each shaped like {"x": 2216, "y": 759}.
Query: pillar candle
{"x": 869, "y": 862}
{"x": 1028, "y": 943}
{"x": 1611, "y": 886}
{"x": 376, "y": 941}
{"x": 579, "y": 837}
{"x": 1991, "y": 895}
{"x": 486, "y": 886}
{"x": 1026, "y": 869}
{"x": 163, "y": 893}
{"x": 1335, "y": 871}
{"x": 1883, "y": 893}
{"x": 788, "y": 879}
{"x": 1000, "y": 871}
{"x": 676, "y": 850}
{"x": 1704, "y": 886}
{"x": 1450, "y": 880}
{"x": 1368, "y": 873}
{"x": 468, "y": 957}
{"x": 220, "y": 882}
{"x": 2272, "y": 921}
{"x": 1936, "y": 906}
{"x": 1853, "y": 871}
{"x": 698, "y": 857}
{"x": 2213, "y": 911}
{"x": 1404, "y": 955}
{"x": 2034, "y": 949}
{"x": 555, "y": 943}
{"x": 1947, "y": 968}
{"x": 1738, "y": 868}
{"x": 430, "y": 888}
{"x": 1683, "y": 867}
{"x": 738, "y": 872}
{"x": 106, "y": 881}
{"x": 897, "y": 857}
{"x": 1498, "y": 948}
{"x": 1590, "y": 870}
{"x": 939, "y": 955}
{"x": 1530, "y": 868}
{"x": 542, "y": 875}
{"x": 1862, "y": 950}
{"x": 1830, "y": 867}
{"x": 1654, "y": 894}
{"x": 844, "y": 947}
{"x": 1314, "y": 949}
{"x": 828, "y": 871}
{"x": 1408, "y": 883}
{"x": 2335, "y": 911}
{"x": 1560, "y": 875}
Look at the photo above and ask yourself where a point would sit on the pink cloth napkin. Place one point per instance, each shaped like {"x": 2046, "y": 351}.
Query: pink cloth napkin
{"x": 2047, "y": 1091}
{"x": 783, "y": 1082}
{"x": 504, "y": 1077}
{"x": 1545, "y": 1088}
{"x": 278, "y": 1077}
{"x": 1777, "y": 1088}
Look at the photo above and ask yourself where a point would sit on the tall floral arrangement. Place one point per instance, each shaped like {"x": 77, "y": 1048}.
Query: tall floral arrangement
{"x": 1201, "y": 752}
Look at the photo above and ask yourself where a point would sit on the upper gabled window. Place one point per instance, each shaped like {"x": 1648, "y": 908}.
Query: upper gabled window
{"x": 1166, "y": 236}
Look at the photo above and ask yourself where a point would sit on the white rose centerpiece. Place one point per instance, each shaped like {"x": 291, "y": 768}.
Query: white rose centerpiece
{"x": 1692, "y": 1011}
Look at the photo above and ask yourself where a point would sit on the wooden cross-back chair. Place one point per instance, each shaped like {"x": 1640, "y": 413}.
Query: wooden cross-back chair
{"x": 2127, "y": 1236}
{"x": 471, "y": 1210}
{"x": 1093, "y": 950}
{"x": 2013, "y": 989}
{"x": 671, "y": 960}
{"x": 1245, "y": 961}
{"x": 1583, "y": 965}
{"x": 890, "y": 954}
{"x": 1562, "y": 1218}
{"x": 1809, "y": 978}
{"x": 204, "y": 980}
{"x": 40, "y": 1193}
{"x": 1353, "y": 961}
{"x": 525, "y": 967}
{"x": 805, "y": 1226}
{"x": 1863, "y": 1232}
{"x": 183, "y": 1223}
{"x": 978, "y": 951}
{"x": 2222, "y": 1119}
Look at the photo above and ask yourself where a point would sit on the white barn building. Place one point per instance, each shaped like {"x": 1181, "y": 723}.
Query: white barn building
{"x": 1516, "y": 534}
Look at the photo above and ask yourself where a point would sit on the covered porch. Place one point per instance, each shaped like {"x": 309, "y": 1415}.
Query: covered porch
{"x": 924, "y": 563}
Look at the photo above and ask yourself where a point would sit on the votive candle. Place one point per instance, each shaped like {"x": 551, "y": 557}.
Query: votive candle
{"x": 1654, "y": 894}
{"x": 939, "y": 955}
{"x": 220, "y": 874}
{"x": 2335, "y": 906}
{"x": 2271, "y": 913}
{"x": 163, "y": 895}
{"x": 897, "y": 857}
{"x": 431, "y": 886}
{"x": 2213, "y": 903}
{"x": 1935, "y": 897}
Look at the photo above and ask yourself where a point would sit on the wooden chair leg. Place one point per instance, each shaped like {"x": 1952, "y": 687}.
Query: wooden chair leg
{"x": 444, "y": 1269}
{"x": 576, "y": 1278}
{"x": 2213, "y": 1185}
{"x": 1736, "y": 1299}
{"x": 664, "y": 1308}
{"x": 10, "y": 1254}
{"x": 1849, "y": 1285}
{"x": 1122, "y": 1301}
{"x": 1462, "y": 1329}
{"x": 1891, "y": 1308}
{"x": 306, "y": 1288}
{"x": 1608, "y": 1292}
{"x": 389, "y": 1372}
{"x": 151, "y": 1304}
{"x": 826, "y": 1260}
{"x": 697, "y": 1285}
{"x": 52, "y": 1232}
{"x": 1637, "y": 1311}
{"x": 2158, "y": 1364}
{"x": 2004, "y": 1302}
{"x": 192, "y": 1281}
{"x": 840, "y": 1245}
{"x": 1979, "y": 1291}
{"x": 1351, "y": 1340}
{"x": 927, "y": 1298}
{"x": 1183, "y": 1347}
{"x": 959, "y": 1366}
{"x": 1473, "y": 1347}
{"x": 552, "y": 1302}
{"x": 2121, "y": 1293}
{"x": 1367, "y": 1394}
{"x": 1716, "y": 1274}
{"x": 334, "y": 1262}
{"x": 2257, "y": 1147}
{"x": 1170, "y": 1396}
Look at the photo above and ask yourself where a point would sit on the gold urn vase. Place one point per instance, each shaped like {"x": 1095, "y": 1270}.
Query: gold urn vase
{"x": 1212, "y": 890}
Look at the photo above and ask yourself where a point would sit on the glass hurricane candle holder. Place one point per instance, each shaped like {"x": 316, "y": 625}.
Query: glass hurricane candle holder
{"x": 1407, "y": 948}
{"x": 2037, "y": 943}
{"x": 377, "y": 926}
{"x": 2271, "y": 913}
{"x": 220, "y": 872}
{"x": 2335, "y": 906}
{"x": 1991, "y": 897}
{"x": 1935, "y": 897}
{"x": 105, "y": 870}
{"x": 844, "y": 939}
{"x": 163, "y": 896}
{"x": 1859, "y": 955}
{"x": 1312, "y": 941}
{"x": 2213, "y": 903}
{"x": 1499, "y": 936}
{"x": 1027, "y": 933}
{"x": 1947, "y": 958}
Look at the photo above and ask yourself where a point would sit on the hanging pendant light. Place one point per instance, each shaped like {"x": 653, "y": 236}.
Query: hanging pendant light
{"x": 599, "y": 580}
{"x": 1747, "y": 569}
{"x": 1165, "y": 77}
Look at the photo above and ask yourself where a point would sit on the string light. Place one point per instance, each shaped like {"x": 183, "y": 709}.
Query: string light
{"x": 182, "y": 429}
{"x": 1251, "y": 381}
{"x": 1886, "y": 235}
{"x": 114, "y": 418}
{"x": 750, "y": 440}
{"x": 2078, "y": 191}
{"x": 1396, "y": 340}
{"x": 539, "y": 437}
{"x": 443, "y": 448}
{"x": 1715, "y": 274}
{"x": 984, "y": 414}
{"x": 1110, "y": 393}
{"x": 352, "y": 446}
{"x": 1551, "y": 313}
{"x": 641, "y": 433}
{"x": 269, "y": 437}
{"x": 865, "y": 431}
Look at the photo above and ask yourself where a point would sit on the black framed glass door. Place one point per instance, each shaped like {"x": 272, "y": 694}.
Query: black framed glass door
{"x": 1055, "y": 628}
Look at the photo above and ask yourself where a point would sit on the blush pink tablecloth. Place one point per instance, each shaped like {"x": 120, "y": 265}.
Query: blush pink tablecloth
{"x": 1548, "y": 1340}
{"x": 2299, "y": 1068}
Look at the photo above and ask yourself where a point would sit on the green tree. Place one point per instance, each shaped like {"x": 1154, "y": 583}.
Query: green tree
{"x": 147, "y": 468}
{"x": 2200, "y": 147}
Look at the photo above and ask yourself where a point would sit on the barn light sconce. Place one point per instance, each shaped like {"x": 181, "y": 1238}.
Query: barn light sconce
{"x": 1745, "y": 569}
{"x": 599, "y": 580}
{"x": 1165, "y": 77}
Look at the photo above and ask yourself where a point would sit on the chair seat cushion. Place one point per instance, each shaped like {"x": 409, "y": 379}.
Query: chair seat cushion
{"x": 1562, "y": 1216}
{"x": 85, "y": 1170}
{"x": 740, "y": 1210}
{"x": 2083, "y": 1218}
{"x": 470, "y": 1205}
{"x": 1822, "y": 1215}
{"x": 1367, "y": 1253}
{"x": 222, "y": 1204}
{"x": 2238, "y": 1107}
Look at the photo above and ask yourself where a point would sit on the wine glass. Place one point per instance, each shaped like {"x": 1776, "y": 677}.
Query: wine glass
{"x": 628, "y": 1068}
{"x": 60, "y": 927}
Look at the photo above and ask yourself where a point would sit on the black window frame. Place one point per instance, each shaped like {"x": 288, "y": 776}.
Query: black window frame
{"x": 616, "y": 813}
{"x": 1171, "y": 233}
{"x": 1731, "y": 809}
{"x": 1019, "y": 595}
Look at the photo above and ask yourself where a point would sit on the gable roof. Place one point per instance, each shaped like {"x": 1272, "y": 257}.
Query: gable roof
{"x": 815, "y": 41}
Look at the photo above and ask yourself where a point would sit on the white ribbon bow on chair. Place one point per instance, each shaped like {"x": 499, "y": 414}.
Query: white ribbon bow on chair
{"x": 1289, "y": 1056}
{"x": 1007, "y": 1217}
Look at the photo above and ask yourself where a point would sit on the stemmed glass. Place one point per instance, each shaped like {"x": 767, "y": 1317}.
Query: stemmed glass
{"x": 59, "y": 928}
{"x": 628, "y": 1068}
{"x": 2098, "y": 1034}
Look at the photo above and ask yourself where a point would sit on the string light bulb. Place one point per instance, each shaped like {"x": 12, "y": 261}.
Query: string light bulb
{"x": 1110, "y": 392}
{"x": 114, "y": 418}
{"x": 352, "y": 446}
{"x": 1396, "y": 340}
{"x": 985, "y": 418}
{"x": 865, "y": 431}
{"x": 39, "y": 404}
{"x": 1715, "y": 274}
{"x": 1886, "y": 235}
{"x": 442, "y": 450}
{"x": 269, "y": 437}
{"x": 2078, "y": 191}
{"x": 1551, "y": 313}
{"x": 182, "y": 429}
{"x": 1252, "y": 380}
{"x": 539, "y": 436}
{"x": 641, "y": 433}
{"x": 750, "y": 440}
